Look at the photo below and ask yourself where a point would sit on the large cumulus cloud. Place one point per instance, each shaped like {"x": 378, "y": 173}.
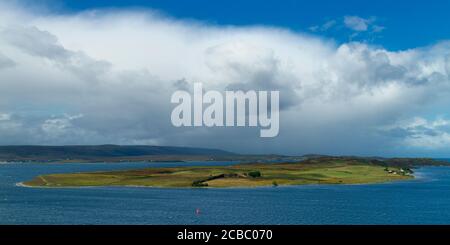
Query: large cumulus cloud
{"x": 107, "y": 77}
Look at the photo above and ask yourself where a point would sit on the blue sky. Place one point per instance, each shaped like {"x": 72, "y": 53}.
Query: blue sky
{"x": 408, "y": 24}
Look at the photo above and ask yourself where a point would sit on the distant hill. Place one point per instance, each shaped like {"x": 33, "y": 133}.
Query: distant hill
{"x": 100, "y": 152}
{"x": 141, "y": 153}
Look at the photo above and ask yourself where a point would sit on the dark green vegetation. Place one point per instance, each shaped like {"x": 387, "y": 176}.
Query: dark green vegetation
{"x": 129, "y": 153}
{"x": 381, "y": 161}
{"x": 315, "y": 170}
{"x": 96, "y": 153}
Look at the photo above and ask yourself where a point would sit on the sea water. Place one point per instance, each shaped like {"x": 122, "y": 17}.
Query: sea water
{"x": 424, "y": 200}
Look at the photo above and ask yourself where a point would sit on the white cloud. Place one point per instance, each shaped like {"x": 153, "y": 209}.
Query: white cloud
{"x": 59, "y": 125}
{"x": 119, "y": 68}
{"x": 5, "y": 61}
{"x": 5, "y": 117}
{"x": 363, "y": 29}
{"x": 325, "y": 27}
{"x": 377, "y": 28}
{"x": 422, "y": 133}
{"x": 357, "y": 23}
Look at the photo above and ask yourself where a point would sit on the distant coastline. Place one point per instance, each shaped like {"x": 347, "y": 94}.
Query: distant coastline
{"x": 124, "y": 153}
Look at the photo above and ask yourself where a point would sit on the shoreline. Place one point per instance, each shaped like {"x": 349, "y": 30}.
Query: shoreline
{"x": 22, "y": 184}
{"x": 315, "y": 171}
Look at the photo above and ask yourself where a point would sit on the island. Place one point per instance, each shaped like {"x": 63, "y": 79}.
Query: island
{"x": 312, "y": 170}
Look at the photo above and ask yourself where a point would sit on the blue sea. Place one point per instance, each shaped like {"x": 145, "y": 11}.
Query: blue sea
{"x": 425, "y": 200}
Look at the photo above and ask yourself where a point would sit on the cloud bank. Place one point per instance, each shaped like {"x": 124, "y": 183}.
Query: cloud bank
{"x": 106, "y": 76}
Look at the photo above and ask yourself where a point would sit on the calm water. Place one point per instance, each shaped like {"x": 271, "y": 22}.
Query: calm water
{"x": 425, "y": 200}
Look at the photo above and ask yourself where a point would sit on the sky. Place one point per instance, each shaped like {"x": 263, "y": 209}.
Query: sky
{"x": 355, "y": 78}
{"x": 405, "y": 25}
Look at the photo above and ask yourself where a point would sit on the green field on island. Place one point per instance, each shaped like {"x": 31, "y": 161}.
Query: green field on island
{"x": 317, "y": 171}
